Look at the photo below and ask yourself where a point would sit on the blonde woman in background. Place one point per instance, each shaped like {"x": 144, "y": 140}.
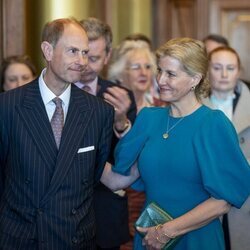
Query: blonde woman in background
{"x": 232, "y": 96}
{"x": 133, "y": 66}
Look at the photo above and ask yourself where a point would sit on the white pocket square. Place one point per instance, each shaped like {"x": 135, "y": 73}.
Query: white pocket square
{"x": 86, "y": 149}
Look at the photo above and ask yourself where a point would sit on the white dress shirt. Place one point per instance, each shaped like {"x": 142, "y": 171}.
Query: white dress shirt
{"x": 92, "y": 85}
{"x": 48, "y": 96}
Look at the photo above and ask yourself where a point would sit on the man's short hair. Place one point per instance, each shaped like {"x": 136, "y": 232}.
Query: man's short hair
{"x": 217, "y": 38}
{"x": 95, "y": 29}
{"x": 53, "y": 30}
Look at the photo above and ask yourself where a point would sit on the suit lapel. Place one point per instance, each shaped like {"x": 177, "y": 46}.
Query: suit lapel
{"x": 33, "y": 114}
{"x": 78, "y": 117}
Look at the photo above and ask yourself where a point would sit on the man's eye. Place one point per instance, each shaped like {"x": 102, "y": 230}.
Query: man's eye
{"x": 73, "y": 51}
{"x": 12, "y": 79}
{"x": 93, "y": 59}
{"x": 85, "y": 52}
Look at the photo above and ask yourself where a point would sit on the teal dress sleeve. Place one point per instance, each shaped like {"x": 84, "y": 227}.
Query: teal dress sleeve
{"x": 224, "y": 169}
{"x": 130, "y": 146}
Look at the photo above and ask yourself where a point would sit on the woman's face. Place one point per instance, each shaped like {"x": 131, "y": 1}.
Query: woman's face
{"x": 139, "y": 74}
{"x": 17, "y": 74}
{"x": 223, "y": 71}
{"x": 174, "y": 83}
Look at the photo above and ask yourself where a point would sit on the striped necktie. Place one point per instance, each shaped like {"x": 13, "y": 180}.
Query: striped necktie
{"x": 57, "y": 120}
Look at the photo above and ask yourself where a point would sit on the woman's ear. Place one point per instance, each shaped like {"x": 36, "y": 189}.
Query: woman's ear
{"x": 196, "y": 79}
{"x": 47, "y": 50}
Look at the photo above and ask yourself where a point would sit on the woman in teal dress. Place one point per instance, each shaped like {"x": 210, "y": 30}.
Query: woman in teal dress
{"x": 186, "y": 156}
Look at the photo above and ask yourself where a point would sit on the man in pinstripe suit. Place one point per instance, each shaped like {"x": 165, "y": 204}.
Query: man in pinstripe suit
{"x": 46, "y": 192}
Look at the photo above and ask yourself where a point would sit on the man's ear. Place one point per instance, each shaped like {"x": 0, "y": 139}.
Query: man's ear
{"x": 107, "y": 57}
{"x": 47, "y": 50}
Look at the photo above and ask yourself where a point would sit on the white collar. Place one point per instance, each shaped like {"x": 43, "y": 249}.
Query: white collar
{"x": 48, "y": 95}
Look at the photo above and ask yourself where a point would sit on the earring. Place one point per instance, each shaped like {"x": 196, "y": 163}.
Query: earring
{"x": 193, "y": 88}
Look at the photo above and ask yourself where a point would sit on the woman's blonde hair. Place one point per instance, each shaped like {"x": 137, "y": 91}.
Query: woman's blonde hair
{"x": 192, "y": 56}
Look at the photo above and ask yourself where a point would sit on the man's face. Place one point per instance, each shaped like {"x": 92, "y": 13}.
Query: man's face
{"x": 68, "y": 58}
{"x": 97, "y": 58}
{"x": 211, "y": 45}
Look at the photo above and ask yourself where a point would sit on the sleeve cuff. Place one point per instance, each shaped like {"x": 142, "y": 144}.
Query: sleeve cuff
{"x": 124, "y": 132}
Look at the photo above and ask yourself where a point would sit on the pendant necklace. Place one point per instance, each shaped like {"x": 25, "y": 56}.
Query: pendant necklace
{"x": 166, "y": 134}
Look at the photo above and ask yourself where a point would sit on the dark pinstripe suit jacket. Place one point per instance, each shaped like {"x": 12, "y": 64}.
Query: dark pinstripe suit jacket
{"x": 46, "y": 196}
{"x": 110, "y": 208}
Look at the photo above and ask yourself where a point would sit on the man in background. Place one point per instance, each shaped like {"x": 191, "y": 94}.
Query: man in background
{"x": 111, "y": 209}
{"x": 214, "y": 41}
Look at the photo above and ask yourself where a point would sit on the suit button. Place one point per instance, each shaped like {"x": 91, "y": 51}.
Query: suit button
{"x": 242, "y": 140}
{"x": 74, "y": 240}
{"x": 27, "y": 181}
{"x": 73, "y": 211}
{"x": 40, "y": 211}
{"x": 84, "y": 182}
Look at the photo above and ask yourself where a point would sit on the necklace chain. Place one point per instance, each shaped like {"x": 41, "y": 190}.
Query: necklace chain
{"x": 166, "y": 134}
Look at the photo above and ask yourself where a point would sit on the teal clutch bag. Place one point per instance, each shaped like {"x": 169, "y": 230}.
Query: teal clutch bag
{"x": 152, "y": 216}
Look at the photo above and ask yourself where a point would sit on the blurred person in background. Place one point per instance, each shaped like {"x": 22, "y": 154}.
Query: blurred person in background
{"x": 231, "y": 95}
{"x": 133, "y": 66}
{"x": 213, "y": 41}
{"x": 16, "y": 71}
{"x": 111, "y": 208}
{"x": 153, "y": 92}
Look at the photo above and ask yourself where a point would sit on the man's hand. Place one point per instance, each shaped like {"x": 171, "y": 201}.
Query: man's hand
{"x": 119, "y": 98}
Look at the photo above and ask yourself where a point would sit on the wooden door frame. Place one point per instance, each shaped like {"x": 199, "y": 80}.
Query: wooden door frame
{"x": 12, "y": 28}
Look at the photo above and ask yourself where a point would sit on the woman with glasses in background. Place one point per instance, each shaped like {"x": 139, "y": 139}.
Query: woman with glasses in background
{"x": 133, "y": 66}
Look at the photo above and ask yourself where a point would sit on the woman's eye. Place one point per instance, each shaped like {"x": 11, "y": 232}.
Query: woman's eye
{"x": 170, "y": 74}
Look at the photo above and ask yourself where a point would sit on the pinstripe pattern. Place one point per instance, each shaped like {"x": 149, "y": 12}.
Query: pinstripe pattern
{"x": 46, "y": 197}
{"x": 110, "y": 208}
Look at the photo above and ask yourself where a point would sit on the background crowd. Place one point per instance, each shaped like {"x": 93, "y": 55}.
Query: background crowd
{"x": 130, "y": 77}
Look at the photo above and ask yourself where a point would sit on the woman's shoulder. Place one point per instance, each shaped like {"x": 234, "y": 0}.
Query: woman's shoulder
{"x": 209, "y": 113}
{"x": 213, "y": 119}
{"x": 153, "y": 111}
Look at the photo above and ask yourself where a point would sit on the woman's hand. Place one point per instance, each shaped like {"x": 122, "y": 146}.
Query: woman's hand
{"x": 154, "y": 237}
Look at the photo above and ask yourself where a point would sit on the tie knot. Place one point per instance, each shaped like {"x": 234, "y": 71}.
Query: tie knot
{"x": 57, "y": 101}
{"x": 87, "y": 88}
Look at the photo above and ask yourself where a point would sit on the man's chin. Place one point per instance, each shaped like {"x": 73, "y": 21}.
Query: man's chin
{"x": 88, "y": 79}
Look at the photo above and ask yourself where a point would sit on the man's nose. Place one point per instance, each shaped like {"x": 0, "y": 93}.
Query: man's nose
{"x": 83, "y": 60}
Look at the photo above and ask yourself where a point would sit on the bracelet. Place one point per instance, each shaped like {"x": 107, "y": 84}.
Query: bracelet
{"x": 124, "y": 128}
{"x": 167, "y": 235}
{"x": 158, "y": 226}
{"x": 170, "y": 237}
